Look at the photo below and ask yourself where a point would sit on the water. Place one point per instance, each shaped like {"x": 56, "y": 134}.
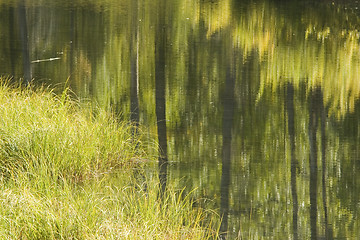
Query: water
{"x": 256, "y": 104}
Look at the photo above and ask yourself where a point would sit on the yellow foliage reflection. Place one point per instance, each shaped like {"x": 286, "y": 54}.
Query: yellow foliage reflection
{"x": 311, "y": 52}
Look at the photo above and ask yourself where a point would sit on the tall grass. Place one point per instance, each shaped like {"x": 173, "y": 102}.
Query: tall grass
{"x": 64, "y": 174}
{"x": 38, "y": 128}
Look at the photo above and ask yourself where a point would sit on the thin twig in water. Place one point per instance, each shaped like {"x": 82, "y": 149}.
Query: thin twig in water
{"x": 45, "y": 60}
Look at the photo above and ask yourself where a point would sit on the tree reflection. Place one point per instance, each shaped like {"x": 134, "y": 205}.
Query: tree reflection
{"x": 316, "y": 114}
{"x": 134, "y": 66}
{"x": 160, "y": 101}
{"x": 322, "y": 112}
{"x": 11, "y": 42}
{"x": 291, "y": 130}
{"x": 72, "y": 40}
{"x": 227, "y": 125}
{"x": 313, "y": 161}
{"x": 23, "y": 30}
{"x": 308, "y": 50}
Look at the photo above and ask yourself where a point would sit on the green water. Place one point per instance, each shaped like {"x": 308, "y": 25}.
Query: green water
{"x": 255, "y": 103}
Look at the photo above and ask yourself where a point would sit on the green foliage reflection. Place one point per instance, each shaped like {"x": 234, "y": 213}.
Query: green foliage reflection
{"x": 266, "y": 46}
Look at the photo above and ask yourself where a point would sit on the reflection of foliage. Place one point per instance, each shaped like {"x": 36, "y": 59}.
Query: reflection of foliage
{"x": 317, "y": 52}
{"x": 266, "y": 47}
{"x": 216, "y": 16}
{"x": 307, "y": 54}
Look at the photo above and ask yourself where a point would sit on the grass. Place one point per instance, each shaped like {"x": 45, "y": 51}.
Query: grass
{"x": 66, "y": 173}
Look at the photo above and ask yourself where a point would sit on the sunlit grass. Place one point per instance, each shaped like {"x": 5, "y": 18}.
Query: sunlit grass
{"x": 65, "y": 174}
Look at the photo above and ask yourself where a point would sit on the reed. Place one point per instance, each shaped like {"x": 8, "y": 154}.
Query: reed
{"x": 64, "y": 174}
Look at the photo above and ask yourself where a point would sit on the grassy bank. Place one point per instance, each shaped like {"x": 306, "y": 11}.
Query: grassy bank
{"x": 66, "y": 173}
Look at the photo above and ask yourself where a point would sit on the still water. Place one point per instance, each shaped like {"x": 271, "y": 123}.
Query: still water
{"x": 255, "y": 103}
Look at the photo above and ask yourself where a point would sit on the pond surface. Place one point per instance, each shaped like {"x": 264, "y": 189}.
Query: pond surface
{"x": 255, "y": 103}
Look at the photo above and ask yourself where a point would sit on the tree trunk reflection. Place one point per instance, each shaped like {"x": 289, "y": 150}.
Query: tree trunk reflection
{"x": 228, "y": 103}
{"x": 316, "y": 113}
{"x": 160, "y": 45}
{"x": 24, "y": 41}
{"x": 313, "y": 162}
{"x": 134, "y": 66}
{"x": 12, "y": 49}
{"x": 328, "y": 230}
{"x": 291, "y": 130}
{"x": 72, "y": 40}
